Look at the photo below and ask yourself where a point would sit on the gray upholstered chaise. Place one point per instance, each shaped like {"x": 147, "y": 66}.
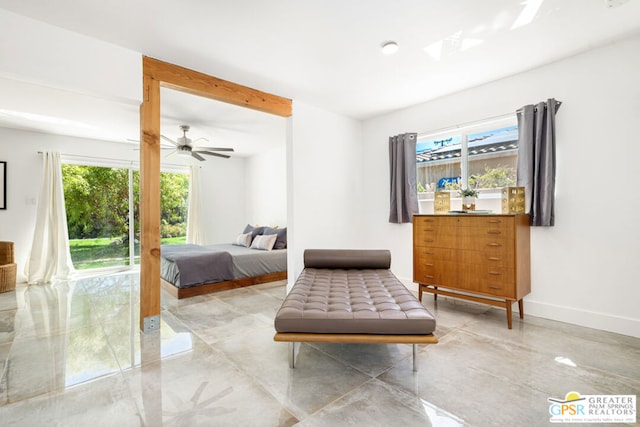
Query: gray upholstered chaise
{"x": 351, "y": 296}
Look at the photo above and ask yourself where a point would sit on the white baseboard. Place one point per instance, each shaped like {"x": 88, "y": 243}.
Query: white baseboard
{"x": 575, "y": 316}
{"x": 590, "y": 319}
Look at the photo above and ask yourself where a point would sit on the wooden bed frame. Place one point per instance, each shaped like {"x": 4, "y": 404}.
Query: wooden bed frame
{"x": 293, "y": 337}
{"x": 208, "y": 288}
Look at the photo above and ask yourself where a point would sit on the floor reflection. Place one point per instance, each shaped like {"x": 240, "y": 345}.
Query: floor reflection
{"x": 68, "y": 333}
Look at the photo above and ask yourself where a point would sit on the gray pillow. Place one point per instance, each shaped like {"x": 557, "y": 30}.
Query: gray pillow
{"x": 281, "y": 240}
{"x": 253, "y": 230}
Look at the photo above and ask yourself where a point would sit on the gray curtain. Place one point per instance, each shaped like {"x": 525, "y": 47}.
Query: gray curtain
{"x": 402, "y": 165}
{"x": 537, "y": 159}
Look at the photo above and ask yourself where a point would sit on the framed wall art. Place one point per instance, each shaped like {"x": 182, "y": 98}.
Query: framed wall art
{"x": 3, "y": 185}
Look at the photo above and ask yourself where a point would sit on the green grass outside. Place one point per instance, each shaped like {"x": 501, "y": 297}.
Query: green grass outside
{"x": 108, "y": 252}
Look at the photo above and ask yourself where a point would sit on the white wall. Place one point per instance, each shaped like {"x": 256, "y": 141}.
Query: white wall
{"x": 583, "y": 269}
{"x": 36, "y": 52}
{"x": 223, "y": 202}
{"x": 324, "y": 183}
{"x": 266, "y": 186}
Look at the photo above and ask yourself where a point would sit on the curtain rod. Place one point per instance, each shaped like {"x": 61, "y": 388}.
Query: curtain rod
{"x": 107, "y": 159}
{"x": 535, "y": 107}
{"x": 468, "y": 124}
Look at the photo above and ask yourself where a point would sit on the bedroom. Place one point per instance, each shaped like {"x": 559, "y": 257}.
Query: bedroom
{"x": 319, "y": 140}
{"x": 583, "y": 268}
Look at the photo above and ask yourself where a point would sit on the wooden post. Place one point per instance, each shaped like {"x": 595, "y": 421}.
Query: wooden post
{"x": 150, "y": 206}
{"x": 156, "y": 74}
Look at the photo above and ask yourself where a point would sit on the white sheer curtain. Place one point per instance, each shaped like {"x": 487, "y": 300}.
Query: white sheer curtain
{"x": 50, "y": 257}
{"x": 195, "y": 225}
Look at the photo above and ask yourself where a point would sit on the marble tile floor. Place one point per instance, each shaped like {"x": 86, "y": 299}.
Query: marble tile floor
{"x": 71, "y": 354}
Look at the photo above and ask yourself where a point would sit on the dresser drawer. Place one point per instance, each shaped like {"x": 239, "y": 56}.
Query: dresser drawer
{"x": 434, "y": 231}
{"x": 491, "y": 245}
{"x": 492, "y": 280}
{"x": 485, "y": 221}
{"x": 440, "y": 273}
{"x": 493, "y": 256}
{"x": 430, "y": 255}
{"x": 497, "y": 286}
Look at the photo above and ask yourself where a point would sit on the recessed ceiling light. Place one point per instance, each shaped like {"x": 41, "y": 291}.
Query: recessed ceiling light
{"x": 389, "y": 48}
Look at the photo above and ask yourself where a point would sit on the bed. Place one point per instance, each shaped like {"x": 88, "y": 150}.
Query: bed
{"x": 190, "y": 270}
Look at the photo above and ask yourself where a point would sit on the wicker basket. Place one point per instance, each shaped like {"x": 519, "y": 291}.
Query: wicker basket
{"x": 8, "y": 268}
{"x": 8, "y": 277}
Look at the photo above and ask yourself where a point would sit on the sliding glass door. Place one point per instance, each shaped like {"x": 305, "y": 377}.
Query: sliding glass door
{"x": 102, "y": 205}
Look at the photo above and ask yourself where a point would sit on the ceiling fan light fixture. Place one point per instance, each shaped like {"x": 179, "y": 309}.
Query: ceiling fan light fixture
{"x": 389, "y": 47}
{"x": 183, "y": 151}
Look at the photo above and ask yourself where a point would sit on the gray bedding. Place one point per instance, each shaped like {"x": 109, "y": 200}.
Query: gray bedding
{"x": 192, "y": 265}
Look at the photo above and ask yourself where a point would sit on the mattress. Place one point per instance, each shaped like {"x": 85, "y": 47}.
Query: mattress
{"x": 243, "y": 262}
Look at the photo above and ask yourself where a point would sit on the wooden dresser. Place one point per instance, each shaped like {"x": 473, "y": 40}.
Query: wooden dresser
{"x": 478, "y": 257}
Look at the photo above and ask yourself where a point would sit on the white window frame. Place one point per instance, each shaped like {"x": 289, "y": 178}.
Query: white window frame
{"x": 464, "y": 130}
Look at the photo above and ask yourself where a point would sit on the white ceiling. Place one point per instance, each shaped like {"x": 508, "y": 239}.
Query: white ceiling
{"x": 321, "y": 52}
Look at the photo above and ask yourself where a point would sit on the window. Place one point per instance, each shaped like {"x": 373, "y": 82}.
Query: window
{"x": 101, "y": 203}
{"x": 482, "y": 157}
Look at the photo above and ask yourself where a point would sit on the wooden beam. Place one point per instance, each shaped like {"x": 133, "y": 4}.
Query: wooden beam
{"x": 156, "y": 74}
{"x": 196, "y": 83}
{"x": 150, "y": 202}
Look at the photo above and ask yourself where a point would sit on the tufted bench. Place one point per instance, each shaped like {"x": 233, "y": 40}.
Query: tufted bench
{"x": 351, "y": 296}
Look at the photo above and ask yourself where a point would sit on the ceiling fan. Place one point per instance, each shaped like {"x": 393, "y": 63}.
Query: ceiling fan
{"x": 185, "y": 147}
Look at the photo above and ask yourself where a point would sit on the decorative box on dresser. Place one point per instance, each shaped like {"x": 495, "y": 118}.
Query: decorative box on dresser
{"x": 478, "y": 257}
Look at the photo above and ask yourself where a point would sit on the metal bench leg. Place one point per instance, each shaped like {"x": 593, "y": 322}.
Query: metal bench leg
{"x": 292, "y": 355}
{"x": 415, "y": 358}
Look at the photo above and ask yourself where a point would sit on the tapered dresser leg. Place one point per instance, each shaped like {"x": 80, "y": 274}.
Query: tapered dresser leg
{"x": 521, "y": 308}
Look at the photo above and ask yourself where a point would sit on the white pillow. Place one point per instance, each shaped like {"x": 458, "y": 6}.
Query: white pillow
{"x": 243, "y": 240}
{"x": 264, "y": 242}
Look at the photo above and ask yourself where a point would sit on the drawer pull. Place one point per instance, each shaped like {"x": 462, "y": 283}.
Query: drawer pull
{"x": 495, "y": 273}
{"x": 494, "y": 221}
{"x": 429, "y": 277}
{"x": 494, "y": 258}
{"x": 429, "y": 240}
{"x": 495, "y": 245}
{"x": 428, "y": 265}
{"x": 494, "y": 232}
{"x": 495, "y": 287}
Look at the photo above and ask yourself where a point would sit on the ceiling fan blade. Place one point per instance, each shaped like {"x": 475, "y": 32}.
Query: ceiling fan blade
{"x": 213, "y": 149}
{"x": 209, "y": 153}
{"x": 170, "y": 140}
{"x": 195, "y": 155}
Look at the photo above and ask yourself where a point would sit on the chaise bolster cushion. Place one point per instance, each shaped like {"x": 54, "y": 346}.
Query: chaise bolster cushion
{"x": 351, "y": 301}
{"x": 347, "y": 258}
